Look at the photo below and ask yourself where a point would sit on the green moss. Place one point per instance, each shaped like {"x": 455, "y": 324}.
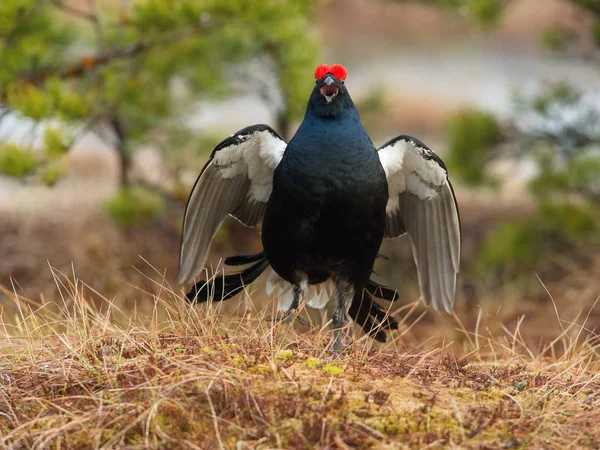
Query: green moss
{"x": 261, "y": 369}
{"x": 284, "y": 354}
{"x": 393, "y": 424}
{"x": 487, "y": 395}
{"x": 240, "y": 361}
{"x": 207, "y": 351}
{"x": 313, "y": 363}
{"x": 521, "y": 386}
{"x": 335, "y": 370}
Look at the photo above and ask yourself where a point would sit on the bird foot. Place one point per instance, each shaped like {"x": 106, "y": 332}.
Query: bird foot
{"x": 288, "y": 317}
{"x": 340, "y": 343}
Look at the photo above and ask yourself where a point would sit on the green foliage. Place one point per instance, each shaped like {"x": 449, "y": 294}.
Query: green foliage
{"x": 569, "y": 222}
{"x": 53, "y": 173}
{"x": 482, "y": 12}
{"x": 583, "y": 173}
{"x": 554, "y": 38}
{"x": 511, "y": 248}
{"x": 134, "y": 206}
{"x": 32, "y": 38}
{"x": 472, "y": 137}
{"x": 591, "y": 5}
{"x": 186, "y": 149}
{"x": 293, "y": 46}
{"x": 519, "y": 247}
{"x": 67, "y": 104}
{"x": 140, "y": 68}
{"x": 52, "y": 100}
{"x": 485, "y": 12}
{"x": 559, "y": 92}
{"x": 55, "y": 142}
{"x": 29, "y": 100}
{"x": 566, "y": 152}
{"x": 578, "y": 175}
{"x": 565, "y": 187}
{"x": 16, "y": 161}
{"x": 596, "y": 32}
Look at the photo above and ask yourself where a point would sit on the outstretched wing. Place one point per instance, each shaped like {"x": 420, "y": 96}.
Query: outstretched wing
{"x": 236, "y": 180}
{"x": 422, "y": 204}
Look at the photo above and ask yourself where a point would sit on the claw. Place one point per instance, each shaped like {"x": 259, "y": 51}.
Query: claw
{"x": 337, "y": 347}
{"x": 288, "y": 317}
{"x": 341, "y": 341}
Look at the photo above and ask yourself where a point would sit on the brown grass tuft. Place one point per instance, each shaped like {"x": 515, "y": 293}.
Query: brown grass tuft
{"x": 90, "y": 376}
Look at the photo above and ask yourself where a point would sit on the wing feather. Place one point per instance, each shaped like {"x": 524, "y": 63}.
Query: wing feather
{"x": 422, "y": 205}
{"x": 237, "y": 180}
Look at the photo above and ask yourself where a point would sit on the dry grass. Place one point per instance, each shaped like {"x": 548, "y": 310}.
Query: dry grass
{"x": 76, "y": 375}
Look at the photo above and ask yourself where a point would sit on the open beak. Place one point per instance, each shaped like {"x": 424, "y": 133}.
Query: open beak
{"x": 329, "y": 90}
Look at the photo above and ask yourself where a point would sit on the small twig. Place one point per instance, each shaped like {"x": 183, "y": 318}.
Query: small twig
{"x": 73, "y": 11}
{"x": 100, "y": 41}
{"x": 89, "y": 63}
{"x": 122, "y": 18}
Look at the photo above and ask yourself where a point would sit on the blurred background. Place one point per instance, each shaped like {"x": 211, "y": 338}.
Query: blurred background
{"x": 110, "y": 108}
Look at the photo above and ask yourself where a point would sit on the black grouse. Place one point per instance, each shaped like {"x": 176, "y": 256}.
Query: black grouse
{"x": 326, "y": 200}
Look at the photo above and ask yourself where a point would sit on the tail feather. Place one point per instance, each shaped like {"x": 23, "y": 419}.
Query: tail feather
{"x": 224, "y": 287}
{"x": 242, "y": 260}
{"x": 383, "y": 316}
{"x": 380, "y": 291}
{"x": 360, "y": 311}
{"x": 364, "y": 309}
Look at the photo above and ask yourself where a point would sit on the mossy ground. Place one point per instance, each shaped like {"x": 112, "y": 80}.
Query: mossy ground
{"x": 78, "y": 380}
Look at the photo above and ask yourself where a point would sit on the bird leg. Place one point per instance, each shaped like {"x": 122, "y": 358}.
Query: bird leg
{"x": 344, "y": 293}
{"x": 290, "y": 314}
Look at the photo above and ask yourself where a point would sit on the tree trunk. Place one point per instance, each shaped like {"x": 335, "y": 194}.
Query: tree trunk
{"x": 124, "y": 159}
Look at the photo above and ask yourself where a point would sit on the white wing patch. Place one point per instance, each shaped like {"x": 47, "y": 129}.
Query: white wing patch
{"x": 317, "y": 295}
{"x": 422, "y": 205}
{"x": 237, "y": 181}
{"x": 410, "y": 167}
{"x": 257, "y": 161}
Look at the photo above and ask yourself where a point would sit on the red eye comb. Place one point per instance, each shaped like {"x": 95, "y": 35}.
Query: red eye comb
{"x": 321, "y": 71}
{"x": 337, "y": 70}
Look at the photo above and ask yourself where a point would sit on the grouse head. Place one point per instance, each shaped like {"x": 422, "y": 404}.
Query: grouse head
{"x": 330, "y": 97}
